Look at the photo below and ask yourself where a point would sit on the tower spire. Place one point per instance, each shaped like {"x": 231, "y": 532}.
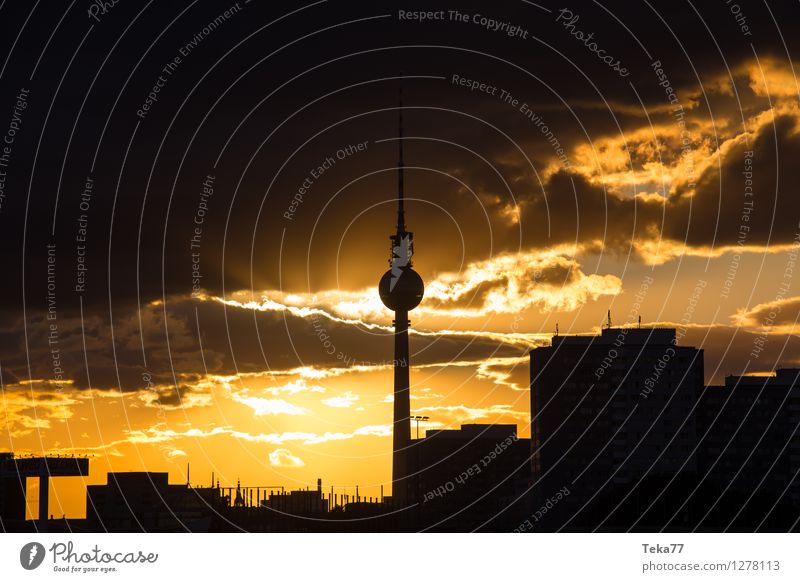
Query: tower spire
{"x": 401, "y": 218}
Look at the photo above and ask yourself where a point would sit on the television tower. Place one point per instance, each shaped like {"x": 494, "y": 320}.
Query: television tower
{"x": 401, "y": 289}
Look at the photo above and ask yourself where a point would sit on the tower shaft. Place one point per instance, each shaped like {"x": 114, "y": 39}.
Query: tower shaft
{"x": 401, "y": 429}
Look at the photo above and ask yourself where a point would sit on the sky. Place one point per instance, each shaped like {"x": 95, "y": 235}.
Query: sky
{"x": 196, "y": 199}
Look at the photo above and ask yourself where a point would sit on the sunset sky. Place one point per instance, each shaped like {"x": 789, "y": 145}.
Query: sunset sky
{"x": 259, "y": 349}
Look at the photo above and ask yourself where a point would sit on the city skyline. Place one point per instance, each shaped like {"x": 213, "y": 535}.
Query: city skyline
{"x": 626, "y": 437}
{"x": 708, "y": 419}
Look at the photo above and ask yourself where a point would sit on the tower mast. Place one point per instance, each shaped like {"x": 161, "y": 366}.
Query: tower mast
{"x": 401, "y": 212}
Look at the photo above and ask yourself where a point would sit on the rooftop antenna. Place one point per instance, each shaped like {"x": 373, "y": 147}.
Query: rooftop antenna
{"x": 556, "y": 329}
{"x": 609, "y": 319}
{"x": 640, "y": 322}
{"x": 187, "y": 474}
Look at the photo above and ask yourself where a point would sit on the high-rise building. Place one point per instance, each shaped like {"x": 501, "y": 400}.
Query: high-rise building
{"x": 608, "y": 411}
{"x": 749, "y": 433}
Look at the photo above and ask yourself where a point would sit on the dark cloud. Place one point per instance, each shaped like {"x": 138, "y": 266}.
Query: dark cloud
{"x": 233, "y": 340}
{"x": 183, "y": 396}
{"x": 714, "y": 215}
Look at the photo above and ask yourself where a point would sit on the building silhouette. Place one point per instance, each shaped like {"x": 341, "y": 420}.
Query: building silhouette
{"x": 476, "y": 478}
{"x": 609, "y": 410}
{"x": 401, "y": 290}
{"x": 749, "y": 453}
{"x": 14, "y": 474}
{"x": 308, "y": 502}
{"x": 624, "y": 423}
{"x": 146, "y": 501}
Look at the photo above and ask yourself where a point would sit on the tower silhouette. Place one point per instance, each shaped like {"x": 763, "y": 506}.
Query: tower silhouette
{"x": 401, "y": 289}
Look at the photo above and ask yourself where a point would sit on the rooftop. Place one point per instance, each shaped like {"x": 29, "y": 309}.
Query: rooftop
{"x": 782, "y": 377}
{"x": 473, "y": 431}
{"x": 630, "y": 336}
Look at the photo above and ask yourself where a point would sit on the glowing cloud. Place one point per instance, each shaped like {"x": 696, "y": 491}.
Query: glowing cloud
{"x": 270, "y": 406}
{"x": 512, "y": 283}
{"x": 781, "y": 316}
{"x": 158, "y": 434}
{"x": 346, "y": 400}
{"x": 467, "y": 414}
{"x": 508, "y": 283}
{"x": 284, "y": 458}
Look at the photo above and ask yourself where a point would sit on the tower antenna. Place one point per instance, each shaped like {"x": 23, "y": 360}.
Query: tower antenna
{"x": 609, "y": 319}
{"x": 401, "y": 213}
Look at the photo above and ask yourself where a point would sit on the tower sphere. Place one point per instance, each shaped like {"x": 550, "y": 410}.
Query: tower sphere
{"x": 406, "y": 293}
